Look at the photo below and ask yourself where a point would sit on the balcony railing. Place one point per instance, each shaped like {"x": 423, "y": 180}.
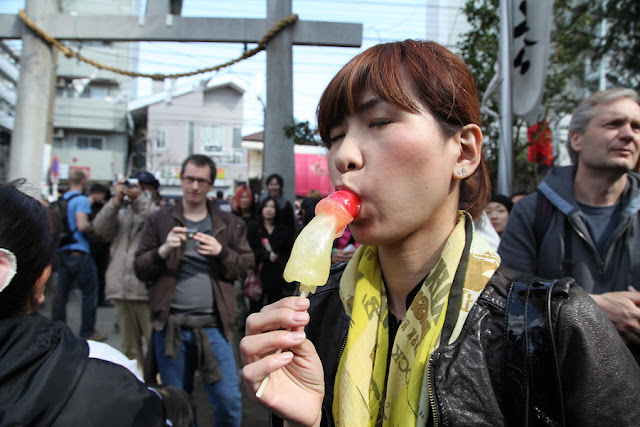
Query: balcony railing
{"x": 78, "y": 113}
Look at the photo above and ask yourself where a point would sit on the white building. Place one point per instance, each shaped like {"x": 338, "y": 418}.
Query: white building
{"x": 90, "y": 127}
{"x": 9, "y": 72}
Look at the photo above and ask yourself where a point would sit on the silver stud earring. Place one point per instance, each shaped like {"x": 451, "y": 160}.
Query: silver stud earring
{"x": 461, "y": 172}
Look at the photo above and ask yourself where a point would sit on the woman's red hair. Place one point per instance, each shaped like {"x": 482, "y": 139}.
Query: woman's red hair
{"x": 439, "y": 79}
{"x": 239, "y": 192}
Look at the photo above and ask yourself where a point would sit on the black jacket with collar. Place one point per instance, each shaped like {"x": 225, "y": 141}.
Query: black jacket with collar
{"x": 600, "y": 379}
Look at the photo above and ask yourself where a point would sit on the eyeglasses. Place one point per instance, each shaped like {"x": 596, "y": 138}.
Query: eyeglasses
{"x": 201, "y": 181}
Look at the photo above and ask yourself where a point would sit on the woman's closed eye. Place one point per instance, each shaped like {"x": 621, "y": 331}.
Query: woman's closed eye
{"x": 335, "y": 138}
{"x": 379, "y": 122}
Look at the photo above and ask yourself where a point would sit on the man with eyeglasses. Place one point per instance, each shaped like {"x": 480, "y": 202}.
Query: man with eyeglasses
{"x": 189, "y": 255}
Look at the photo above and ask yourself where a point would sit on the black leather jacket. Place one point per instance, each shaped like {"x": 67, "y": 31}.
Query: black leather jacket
{"x": 600, "y": 378}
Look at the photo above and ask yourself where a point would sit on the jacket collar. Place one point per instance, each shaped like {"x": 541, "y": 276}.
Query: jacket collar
{"x": 558, "y": 188}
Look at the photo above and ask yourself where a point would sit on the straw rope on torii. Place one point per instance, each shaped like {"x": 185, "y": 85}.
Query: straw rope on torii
{"x": 69, "y": 53}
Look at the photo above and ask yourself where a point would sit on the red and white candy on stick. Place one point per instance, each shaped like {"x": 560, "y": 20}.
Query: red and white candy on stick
{"x": 310, "y": 259}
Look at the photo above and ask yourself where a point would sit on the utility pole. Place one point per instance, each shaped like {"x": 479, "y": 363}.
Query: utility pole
{"x": 505, "y": 150}
{"x": 35, "y": 85}
{"x": 278, "y": 149}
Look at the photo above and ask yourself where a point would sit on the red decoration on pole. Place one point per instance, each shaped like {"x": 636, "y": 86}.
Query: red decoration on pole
{"x": 540, "y": 149}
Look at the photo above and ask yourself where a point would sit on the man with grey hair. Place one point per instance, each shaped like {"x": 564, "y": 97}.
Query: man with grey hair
{"x": 583, "y": 221}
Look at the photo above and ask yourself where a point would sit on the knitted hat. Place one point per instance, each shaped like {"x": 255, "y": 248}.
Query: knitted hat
{"x": 503, "y": 200}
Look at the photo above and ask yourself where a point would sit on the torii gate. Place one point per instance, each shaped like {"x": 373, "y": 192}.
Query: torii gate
{"x": 32, "y": 128}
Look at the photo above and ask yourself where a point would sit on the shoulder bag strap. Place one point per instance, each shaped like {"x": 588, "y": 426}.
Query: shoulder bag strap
{"x": 533, "y": 390}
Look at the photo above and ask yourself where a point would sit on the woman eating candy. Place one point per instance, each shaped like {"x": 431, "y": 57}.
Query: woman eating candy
{"x": 412, "y": 330}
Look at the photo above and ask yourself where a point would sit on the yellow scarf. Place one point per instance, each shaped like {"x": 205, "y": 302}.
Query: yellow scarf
{"x": 465, "y": 266}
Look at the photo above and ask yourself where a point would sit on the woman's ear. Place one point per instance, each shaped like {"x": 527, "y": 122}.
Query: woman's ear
{"x": 37, "y": 298}
{"x": 470, "y": 141}
{"x": 8, "y": 267}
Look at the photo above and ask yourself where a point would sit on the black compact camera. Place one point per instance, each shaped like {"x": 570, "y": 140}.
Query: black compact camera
{"x": 131, "y": 182}
{"x": 190, "y": 233}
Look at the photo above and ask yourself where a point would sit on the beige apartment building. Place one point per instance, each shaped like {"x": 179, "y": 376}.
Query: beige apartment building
{"x": 205, "y": 118}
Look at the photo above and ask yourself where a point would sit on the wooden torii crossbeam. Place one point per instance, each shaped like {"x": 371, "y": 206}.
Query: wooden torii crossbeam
{"x": 162, "y": 22}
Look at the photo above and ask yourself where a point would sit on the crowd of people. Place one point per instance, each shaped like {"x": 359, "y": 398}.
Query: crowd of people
{"x": 420, "y": 321}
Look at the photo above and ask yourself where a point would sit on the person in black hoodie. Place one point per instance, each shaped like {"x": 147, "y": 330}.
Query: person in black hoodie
{"x": 46, "y": 376}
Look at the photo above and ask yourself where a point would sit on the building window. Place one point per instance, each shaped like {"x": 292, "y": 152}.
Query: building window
{"x": 94, "y": 92}
{"x": 211, "y": 137}
{"x": 89, "y": 142}
{"x": 237, "y": 138}
{"x": 160, "y": 139}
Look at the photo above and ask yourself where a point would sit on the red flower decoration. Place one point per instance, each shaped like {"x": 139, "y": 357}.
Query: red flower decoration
{"x": 540, "y": 149}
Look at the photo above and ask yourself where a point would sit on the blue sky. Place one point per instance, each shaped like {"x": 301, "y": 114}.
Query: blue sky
{"x": 314, "y": 66}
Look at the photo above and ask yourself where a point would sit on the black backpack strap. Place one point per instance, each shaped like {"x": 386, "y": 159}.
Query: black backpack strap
{"x": 542, "y": 218}
{"x": 544, "y": 210}
{"x": 66, "y": 212}
{"x": 567, "y": 261}
{"x": 533, "y": 389}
